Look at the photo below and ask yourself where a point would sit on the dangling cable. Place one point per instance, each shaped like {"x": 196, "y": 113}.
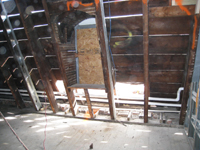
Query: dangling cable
{"x": 13, "y": 131}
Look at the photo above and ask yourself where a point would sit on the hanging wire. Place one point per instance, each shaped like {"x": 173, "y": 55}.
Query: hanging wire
{"x": 13, "y": 131}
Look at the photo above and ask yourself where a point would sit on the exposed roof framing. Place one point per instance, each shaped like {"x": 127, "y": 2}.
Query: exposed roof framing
{"x": 38, "y": 54}
{"x": 150, "y": 44}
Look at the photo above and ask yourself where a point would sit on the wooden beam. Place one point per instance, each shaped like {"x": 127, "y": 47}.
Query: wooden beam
{"x": 146, "y": 59}
{"x": 38, "y": 54}
{"x": 170, "y": 11}
{"x": 87, "y": 96}
{"x": 19, "y": 59}
{"x": 13, "y": 88}
{"x": 53, "y": 31}
{"x": 189, "y": 66}
{"x": 105, "y": 55}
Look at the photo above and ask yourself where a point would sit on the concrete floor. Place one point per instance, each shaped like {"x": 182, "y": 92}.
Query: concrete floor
{"x": 78, "y": 134}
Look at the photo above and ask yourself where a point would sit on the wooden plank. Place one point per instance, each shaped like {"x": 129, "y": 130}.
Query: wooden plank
{"x": 128, "y": 61}
{"x": 146, "y": 59}
{"x": 70, "y": 94}
{"x": 125, "y": 26}
{"x": 170, "y": 25}
{"x": 167, "y": 62}
{"x": 157, "y": 44}
{"x": 39, "y": 18}
{"x": 189, "y": 66}
{"x": 120, "y": 8}
{"x": 126, "y": 45}
{"x": 156, "y": 62}
{"x": 156, "y": 3}
{"x": 129, "y": 76}
{"x": 170, "y": 11}
{"x": 48, "y": 46}
{"x": 37, "y": 51}
{"x": 164, "y": 95}
{"x": 87, "y": 86}
{"x": 166, "y": 76}
{"x": 123, "y": 8}
{"x": 152, "y": 3}
{"x": 168, "y": 44}
{"x": 105, "y": 55}
{"x": 164, "y": 87}
{"x": 87, "y": 96}
{"x": 133, "y": 26}
{"x": 43, "y": 31}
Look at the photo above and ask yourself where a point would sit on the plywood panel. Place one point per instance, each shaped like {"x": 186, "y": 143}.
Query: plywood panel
{"x": 90, "y": 67}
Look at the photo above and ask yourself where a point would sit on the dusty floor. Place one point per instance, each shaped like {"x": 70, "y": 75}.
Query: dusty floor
{"x": 78, "y": 134}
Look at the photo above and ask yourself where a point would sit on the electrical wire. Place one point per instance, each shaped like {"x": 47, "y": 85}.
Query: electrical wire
{"x": 13, "y": 131}
{"x": 45, "y": 106}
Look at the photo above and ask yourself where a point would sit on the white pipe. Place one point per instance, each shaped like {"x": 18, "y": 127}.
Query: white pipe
{"x": 168, "y": 99}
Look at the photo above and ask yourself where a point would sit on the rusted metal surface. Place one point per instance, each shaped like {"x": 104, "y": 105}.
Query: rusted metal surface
{"x": 39, "y": 56}
{"x": 105, "y": 55}
{"x": 189, "y": 66}
{"x": 87, "y": 96}
{"x": 146, "y": 59}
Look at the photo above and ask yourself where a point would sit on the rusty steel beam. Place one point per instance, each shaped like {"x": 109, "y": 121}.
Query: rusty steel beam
{"x": 87, "y": 96}
{"x": 18, "y": 57}
{"x": 146, "y": 59}
{"x": 55, "y": 42}
{"x": 38, "y": 54}
{"x": 105, "y": 55}
{"x": 189, "y": 67}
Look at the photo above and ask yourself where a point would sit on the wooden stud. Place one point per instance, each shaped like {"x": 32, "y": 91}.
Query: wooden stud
{"x": 146, "y": 59}
{"x": 87, "y": 96}
{"x": 189, "y": 66}
{"x": 13, "y": 88}
{"x": 69, "y": 92}
{"x": 38, "y": 54}
{"x": 105, "y": 55}
{"x": 19, "y": 59}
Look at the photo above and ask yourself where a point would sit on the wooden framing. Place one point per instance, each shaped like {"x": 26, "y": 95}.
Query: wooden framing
{"x": 87, "y": 96}
{"x": 39, "y": 56}
{"x": 189, "y": 65}
{"x": 19, "y": 59}
{"x": 146, "y": 60}
{"x": 13, "y": 88}
{"x": 69, "y": 91}
{"x": 105, "y": 55}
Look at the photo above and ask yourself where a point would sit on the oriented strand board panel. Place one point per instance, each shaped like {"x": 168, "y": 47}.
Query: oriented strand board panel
{"x": 90, "y": 67}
